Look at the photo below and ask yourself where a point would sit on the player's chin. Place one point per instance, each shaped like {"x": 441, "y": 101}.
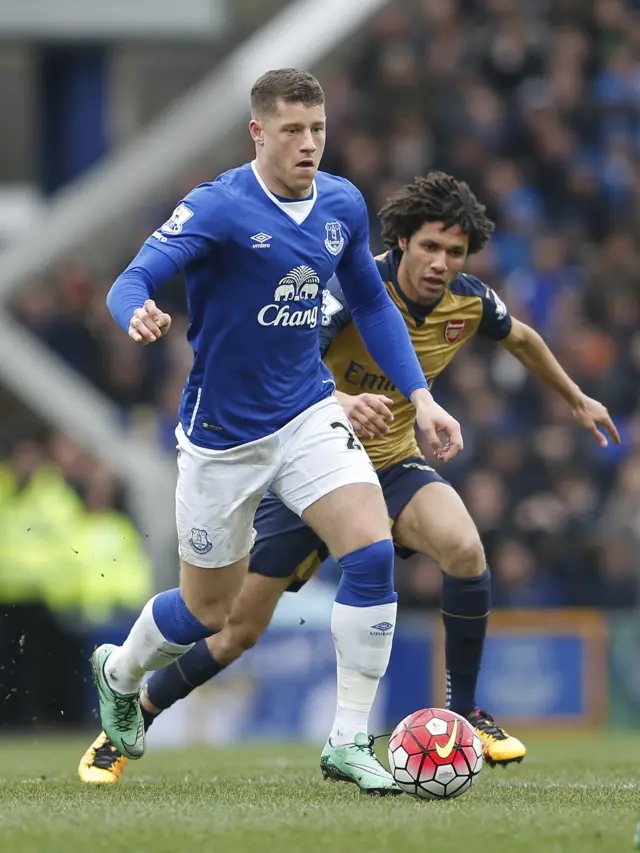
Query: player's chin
{"x": 429, "y": 293}
{"x": 303, "y": 176}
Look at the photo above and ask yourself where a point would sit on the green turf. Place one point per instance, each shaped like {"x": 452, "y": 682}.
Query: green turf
{"x": 568, "y": 795}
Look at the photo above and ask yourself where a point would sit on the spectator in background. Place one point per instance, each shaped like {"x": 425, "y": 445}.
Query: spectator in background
{"x": 69, "y": 557}
{"x": 537, "y": 106}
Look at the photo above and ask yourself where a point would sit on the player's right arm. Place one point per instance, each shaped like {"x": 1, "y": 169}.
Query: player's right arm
{"x": 194, "y": 227}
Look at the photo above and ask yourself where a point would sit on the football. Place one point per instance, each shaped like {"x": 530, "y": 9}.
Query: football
{"x": 435, "y": 754}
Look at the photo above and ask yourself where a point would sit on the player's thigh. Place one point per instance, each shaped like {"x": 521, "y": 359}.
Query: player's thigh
{"x": 285, "y": 548}
{"x": 217, "y": 495}
{"x": 328, "y": 480}
{"x": 436, "y": 522}
{"x": 349, "y": 518}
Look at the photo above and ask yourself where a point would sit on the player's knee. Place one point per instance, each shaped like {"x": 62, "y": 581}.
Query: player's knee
{"x": 465, "y": 557}
{"x": 235, "y": 640}
{"x": 213, "y": 615}
{"x": 367, "y": 576}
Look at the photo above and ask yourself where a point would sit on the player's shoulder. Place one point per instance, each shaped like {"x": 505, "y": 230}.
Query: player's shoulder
{"x": 387, "y": 264}
{"x": 226, "y": 185}
{"x": 469, "y": 285}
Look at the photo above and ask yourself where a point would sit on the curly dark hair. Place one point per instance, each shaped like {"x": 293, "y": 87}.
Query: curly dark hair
{"x": 436, "y": 197}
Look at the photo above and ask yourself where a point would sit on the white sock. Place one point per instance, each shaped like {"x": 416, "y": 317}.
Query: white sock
{"x": 363, "y": 637}
{"x": 145, "y": 649}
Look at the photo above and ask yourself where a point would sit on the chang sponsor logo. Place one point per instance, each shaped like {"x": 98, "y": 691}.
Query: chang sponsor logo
{"x": 300, "y": 284}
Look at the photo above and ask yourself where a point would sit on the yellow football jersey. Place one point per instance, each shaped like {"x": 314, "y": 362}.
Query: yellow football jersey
{"x": 468, "y": 307}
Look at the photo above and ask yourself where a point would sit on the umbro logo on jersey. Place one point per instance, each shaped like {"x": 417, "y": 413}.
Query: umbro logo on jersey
{"x": 261, "y": 240}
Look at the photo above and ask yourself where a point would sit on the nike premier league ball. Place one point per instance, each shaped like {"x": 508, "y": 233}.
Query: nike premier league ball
{"x": 435, "y": 754}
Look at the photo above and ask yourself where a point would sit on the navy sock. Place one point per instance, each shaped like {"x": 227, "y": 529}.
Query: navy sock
{"x": 147, "y": 717}
{"x": 465, "y": 607}
{"x": 196, "y": 667}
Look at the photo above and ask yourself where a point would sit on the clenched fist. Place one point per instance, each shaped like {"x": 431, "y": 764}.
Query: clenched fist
{"x": 148, "y": 323}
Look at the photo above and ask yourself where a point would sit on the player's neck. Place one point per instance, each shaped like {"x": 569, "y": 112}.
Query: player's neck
{"x": 277, "y": 187}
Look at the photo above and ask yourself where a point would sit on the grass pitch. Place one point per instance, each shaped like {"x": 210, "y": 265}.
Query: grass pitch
{"x": 570, "y": 794}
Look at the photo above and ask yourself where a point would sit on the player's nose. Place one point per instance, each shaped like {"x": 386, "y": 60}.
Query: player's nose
{"x": 308, "y": 145}
{"x": 439, "y": 262}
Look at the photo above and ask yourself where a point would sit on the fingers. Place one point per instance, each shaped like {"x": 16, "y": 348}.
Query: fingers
{"x": 368, "y": 423}
{"x": 369, "y": 414}
{"x": 610, "y": 427}
{"x": 599, "y": 437}
{"x": 433, "y": 440}
{"x": 453, "y": 444}
{"x": 148, "y": 323}
{"x": 380, "y": 405}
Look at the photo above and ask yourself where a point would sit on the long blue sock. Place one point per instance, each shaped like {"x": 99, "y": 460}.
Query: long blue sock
{"x": 175, "y": 621}
{"x": 367, "y": 576}
{"x": 465, "y": 604}
{"x": 166, "y": 686}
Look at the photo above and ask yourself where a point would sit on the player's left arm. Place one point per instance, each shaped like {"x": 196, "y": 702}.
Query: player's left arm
{"x": 386, "y": 336}
{"x": 530, "y": 349}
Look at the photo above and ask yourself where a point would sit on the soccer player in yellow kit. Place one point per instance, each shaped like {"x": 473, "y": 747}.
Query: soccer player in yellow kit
{"x": 430, "y": 227}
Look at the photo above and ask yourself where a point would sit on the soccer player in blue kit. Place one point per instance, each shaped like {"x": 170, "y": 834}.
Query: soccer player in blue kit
{"x": 258, "y": 411}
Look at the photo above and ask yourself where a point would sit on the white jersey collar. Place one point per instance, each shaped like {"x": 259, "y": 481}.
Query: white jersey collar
{"x": 297, "y": 210}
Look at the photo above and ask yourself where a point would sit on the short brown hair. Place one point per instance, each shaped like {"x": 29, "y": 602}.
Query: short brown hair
{"x": 436, "y": 197}
{"x": 291, "y": 85}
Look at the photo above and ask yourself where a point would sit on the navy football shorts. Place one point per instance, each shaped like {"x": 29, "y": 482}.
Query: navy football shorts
{"x": 286, "y": 547}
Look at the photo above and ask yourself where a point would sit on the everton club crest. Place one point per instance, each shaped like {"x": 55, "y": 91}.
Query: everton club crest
{"x": 334, "y": 241}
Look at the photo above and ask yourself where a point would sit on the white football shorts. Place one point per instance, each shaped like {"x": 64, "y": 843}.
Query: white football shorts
{"x": 218, "y": 491}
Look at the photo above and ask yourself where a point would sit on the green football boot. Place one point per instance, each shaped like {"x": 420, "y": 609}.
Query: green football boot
{"x": 357, "y": 762}
{"x": 120, "y": 712}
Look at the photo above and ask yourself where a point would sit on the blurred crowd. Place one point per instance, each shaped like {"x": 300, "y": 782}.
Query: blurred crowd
{"x": 65, "y": 537}
{"x": 537, "y": 106}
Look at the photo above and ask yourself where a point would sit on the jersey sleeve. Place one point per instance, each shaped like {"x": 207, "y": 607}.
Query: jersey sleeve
{"x": 335, "y": 314}
{"x": 193, "y": 229}
{"x": 378, "y": 320}
{"x": 496, "y": 320}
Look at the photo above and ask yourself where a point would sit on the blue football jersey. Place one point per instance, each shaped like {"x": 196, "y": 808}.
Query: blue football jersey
{"x": 255, "y": 277}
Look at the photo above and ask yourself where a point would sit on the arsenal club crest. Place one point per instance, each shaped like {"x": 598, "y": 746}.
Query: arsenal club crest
{"x": 453, "y": 331}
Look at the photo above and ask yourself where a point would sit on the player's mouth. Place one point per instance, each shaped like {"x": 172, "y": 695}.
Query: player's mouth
{"x": 434, "y": 284}
{"x": 306, "y": 165}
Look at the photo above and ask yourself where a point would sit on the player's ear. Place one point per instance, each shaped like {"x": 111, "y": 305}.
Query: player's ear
{"x": 256, "y": 130}
{"x": 402, "y": 244}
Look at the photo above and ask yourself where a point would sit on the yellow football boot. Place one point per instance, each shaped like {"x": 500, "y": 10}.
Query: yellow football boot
{"x": 498, "y": 747}
{"x": 102, "y": 764}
